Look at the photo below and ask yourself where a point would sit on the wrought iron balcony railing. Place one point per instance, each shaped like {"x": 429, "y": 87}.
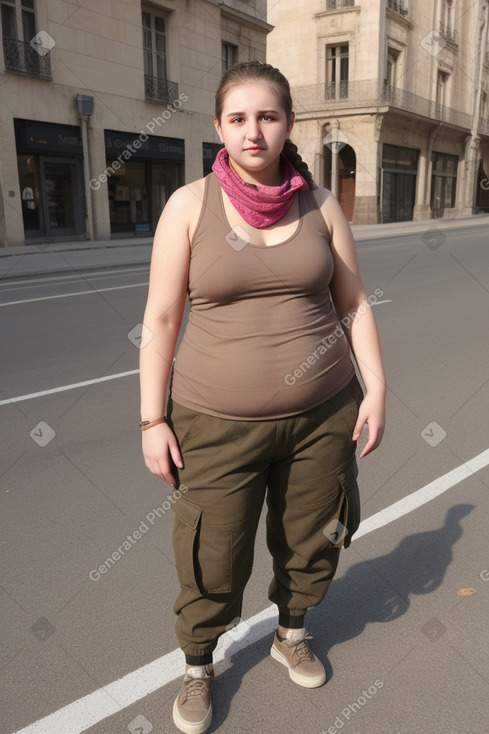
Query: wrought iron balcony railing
{"x": 338, "y": 4}
{"x": 160, "y": 90}
{"x": 399, "y": 7}
{"x": 372, "y": 94}
{"x": 336, "y": 90}
{"x": 20, "y": 56}
{"x": 448, "y": 34}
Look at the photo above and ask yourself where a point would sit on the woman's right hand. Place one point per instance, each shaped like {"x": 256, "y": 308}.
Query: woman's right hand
{"x": 161, "y": 452}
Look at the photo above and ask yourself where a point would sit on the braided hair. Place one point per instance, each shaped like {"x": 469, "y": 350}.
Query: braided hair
{"x": 247, "y": 71}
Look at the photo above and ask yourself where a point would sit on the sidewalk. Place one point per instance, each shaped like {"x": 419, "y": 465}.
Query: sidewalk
{"x": 63, "y": 257}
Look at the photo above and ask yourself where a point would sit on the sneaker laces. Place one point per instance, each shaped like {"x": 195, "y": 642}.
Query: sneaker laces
{"x": 195, "y": 687}
{"x": 302, "y": 649}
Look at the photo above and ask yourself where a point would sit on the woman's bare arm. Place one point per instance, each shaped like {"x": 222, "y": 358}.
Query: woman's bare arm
{"x": 355, "y": 313}
{"x": 162, "y": 320}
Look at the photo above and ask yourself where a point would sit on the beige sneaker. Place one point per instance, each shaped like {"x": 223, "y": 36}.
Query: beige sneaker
{"x": 295, "y": 653}
{"x": 192, "y": 710}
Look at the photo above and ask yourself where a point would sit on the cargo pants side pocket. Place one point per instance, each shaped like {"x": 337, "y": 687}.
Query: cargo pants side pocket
{"x": 350, "y": 512}
{"x": 203, "y": 554}
{"x": 342, "y": 527}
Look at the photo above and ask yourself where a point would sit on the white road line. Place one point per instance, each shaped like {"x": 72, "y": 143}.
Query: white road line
{"x": 63, "y": 279}
{"x": 423, "y": 495}
{"x": 78, "y": 293}
{"x": 74, "y": 385}
{"x": 87, "y": 711}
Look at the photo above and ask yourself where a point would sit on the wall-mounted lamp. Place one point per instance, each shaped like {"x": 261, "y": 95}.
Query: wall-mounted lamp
{"x": 85, "y": 104}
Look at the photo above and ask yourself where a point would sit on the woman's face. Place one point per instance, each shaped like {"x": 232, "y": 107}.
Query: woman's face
{"x": 253, "y": 128}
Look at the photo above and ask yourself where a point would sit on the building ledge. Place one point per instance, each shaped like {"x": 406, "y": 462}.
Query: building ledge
{"x": 364, "y": 97}
{"x": 249, "y": 20}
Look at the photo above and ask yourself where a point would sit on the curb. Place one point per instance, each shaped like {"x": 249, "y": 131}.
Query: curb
{"x": 85, "y": 256}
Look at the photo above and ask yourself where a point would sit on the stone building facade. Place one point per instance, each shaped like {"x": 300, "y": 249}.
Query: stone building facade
{"x": 391, "y": 98}
{"x": 106, "y": 108}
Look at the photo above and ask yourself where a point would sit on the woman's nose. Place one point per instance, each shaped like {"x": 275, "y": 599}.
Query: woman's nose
{"x": 253, "y": 132}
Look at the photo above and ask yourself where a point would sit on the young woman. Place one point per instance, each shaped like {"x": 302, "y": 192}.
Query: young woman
{"x": 264, "y": 400}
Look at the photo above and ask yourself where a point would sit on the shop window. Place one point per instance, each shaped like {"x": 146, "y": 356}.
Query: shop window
{"x": 337, "y": 64}
{"x": 398, "y": 183}
{"x": 138, "y": 191}
{"x": 23, "y": 50}
{"x": 30, "y": 192}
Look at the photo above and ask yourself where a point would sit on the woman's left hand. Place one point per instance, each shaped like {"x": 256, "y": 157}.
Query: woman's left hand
{"x": 372, "y": 413}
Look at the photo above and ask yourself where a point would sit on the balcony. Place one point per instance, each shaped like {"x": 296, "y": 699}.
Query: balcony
{"x": 399, "y": 7}
{"x": 339, "y": 4}
{"x": 21, "y": 57}
{"x": 336, "y": 90}
{"x": 160, "y": 90}
{"x": 449, "y": 35}
{"x": 368, "y": 96}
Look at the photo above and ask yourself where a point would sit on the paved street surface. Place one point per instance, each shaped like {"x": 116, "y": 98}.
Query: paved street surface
{"x": 85, "y": 649}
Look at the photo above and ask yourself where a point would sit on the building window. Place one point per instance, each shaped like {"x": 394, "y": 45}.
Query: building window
{"x": 18, "y": 31}
{"x": 156, "y": 84}
{"x": 392, "y": 71}
{"x": 154, "y": 42}
{"x": 337, "y": 72}
{"x": 441, "y": 92}
{"x": 399, "y": 7}
{"x": 447, "y": 30}
{"x": 337, "y": 4}
{"x": 229, "y": 56}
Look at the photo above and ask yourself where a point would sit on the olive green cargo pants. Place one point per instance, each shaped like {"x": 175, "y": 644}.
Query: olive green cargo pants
{"x": 305, "y": 466}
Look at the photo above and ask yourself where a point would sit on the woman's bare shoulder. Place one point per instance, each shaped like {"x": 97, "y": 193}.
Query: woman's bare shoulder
{"x": 321, "y": 194}
{"x": 188, "y": 197}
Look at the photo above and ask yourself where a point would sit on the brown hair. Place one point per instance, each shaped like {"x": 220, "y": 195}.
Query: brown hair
{"x": 257, "y": 72}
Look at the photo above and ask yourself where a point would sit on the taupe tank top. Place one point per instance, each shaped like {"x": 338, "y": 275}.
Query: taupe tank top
{"x": 263, "y": 340}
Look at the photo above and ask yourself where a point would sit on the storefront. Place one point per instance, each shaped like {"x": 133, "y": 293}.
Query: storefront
{"x": 142, "y": 172}
{"x": 209, "y": 152}
{"x": 50, "y": 164}
{"x": 398, "y": 183}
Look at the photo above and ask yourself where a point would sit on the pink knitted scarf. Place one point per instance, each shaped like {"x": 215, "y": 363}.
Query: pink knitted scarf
{"x": 260, "y": 206}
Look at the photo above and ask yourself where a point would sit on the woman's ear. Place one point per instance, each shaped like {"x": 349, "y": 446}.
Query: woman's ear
{"x": 218, "y": 128}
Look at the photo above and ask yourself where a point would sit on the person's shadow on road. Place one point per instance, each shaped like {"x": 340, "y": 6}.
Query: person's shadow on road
{"x": 373, "y": 590}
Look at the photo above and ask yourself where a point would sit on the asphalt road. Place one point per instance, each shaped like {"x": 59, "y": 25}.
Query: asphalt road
{"x": 404, "y": 651}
